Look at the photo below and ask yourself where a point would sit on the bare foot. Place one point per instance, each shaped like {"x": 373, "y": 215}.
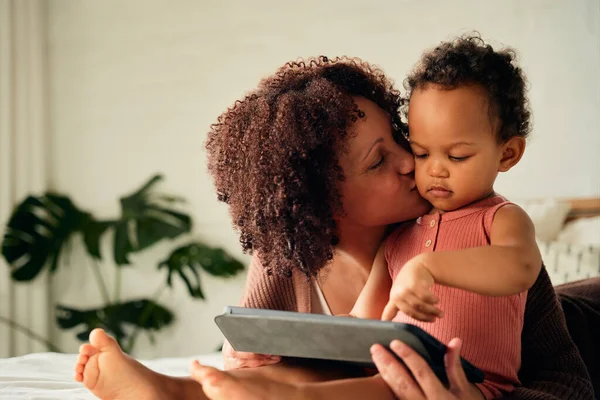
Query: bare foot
{"x": 110, "y": 374}
{"x": 219, "y": 385}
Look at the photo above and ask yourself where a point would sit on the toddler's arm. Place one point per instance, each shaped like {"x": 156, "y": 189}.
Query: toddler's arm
{"x": 510, "y": 265}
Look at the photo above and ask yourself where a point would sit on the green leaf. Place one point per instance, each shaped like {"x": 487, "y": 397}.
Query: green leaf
{"x": 145, "y": 220}
{"x": 141, "y": 313}
{"x": 68, "y": 318}
{"x": 187, "y": 260}
{"x": 92, "y": 234}
{"x": 36, "y": 232}
{"x": 145, "y": 314}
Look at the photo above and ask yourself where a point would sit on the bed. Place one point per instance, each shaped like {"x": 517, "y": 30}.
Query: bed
{"x": 49, "y": 376}
{"x": 568, "y": 236}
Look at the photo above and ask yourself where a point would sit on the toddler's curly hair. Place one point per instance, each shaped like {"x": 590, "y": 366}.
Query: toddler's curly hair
{"x": 469, "y": 60}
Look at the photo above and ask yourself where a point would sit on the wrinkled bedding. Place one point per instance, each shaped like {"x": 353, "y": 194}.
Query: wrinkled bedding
{"x": 49, "y": 376}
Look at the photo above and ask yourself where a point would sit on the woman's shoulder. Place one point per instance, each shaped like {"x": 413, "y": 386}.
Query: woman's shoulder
{"x": 271, "y": 290}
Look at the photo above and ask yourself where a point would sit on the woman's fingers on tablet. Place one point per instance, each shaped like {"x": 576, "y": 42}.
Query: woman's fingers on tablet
{"x": 255, "y": 363}
{"x": 239, "y": 359}
{"x": 251, "y": 356}
{"x": 395, "y": 374}
{"x": 423, "y": 374}
{"x": 456, "y": 374}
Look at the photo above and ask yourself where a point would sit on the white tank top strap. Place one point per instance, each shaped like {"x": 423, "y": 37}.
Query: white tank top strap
{"x": 318, "y": 302}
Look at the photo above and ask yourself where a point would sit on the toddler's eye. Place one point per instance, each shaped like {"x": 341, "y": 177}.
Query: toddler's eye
{"x": 420, "y": 156}
{"x": 458, "y": 158}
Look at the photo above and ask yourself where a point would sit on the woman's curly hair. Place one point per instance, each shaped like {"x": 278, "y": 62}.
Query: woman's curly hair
{"x": 469, "y": 60}
{"x": 274, "y": 157}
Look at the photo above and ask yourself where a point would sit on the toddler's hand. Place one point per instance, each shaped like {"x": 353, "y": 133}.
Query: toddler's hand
{"x": 411, "y": 293}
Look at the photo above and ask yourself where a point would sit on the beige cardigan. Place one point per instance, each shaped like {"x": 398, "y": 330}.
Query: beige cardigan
{"x": 276, "y": 292}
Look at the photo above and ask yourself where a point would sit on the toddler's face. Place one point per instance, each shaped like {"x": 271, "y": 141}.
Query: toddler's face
{"x": 452, "y": 135}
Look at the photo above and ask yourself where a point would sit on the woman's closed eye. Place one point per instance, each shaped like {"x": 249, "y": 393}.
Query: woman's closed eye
{"x": 378, "y": 163}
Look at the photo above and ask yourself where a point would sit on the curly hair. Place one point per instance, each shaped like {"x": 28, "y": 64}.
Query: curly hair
{"x": 468, "y": 60}
{"x": 274, "y": 157}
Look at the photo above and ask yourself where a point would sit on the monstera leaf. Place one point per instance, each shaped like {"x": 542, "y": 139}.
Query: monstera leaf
{"x": 37, "y": 231}
{"x": 141, "y": 313}
{"x": 41, "y": 226}
{"x": 92, "y": 233}
{"x": 186, "y": 261}
{"x": 145, "y": 220}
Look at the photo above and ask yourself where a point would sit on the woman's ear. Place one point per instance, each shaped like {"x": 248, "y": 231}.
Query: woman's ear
{"x": 512, "y": 151}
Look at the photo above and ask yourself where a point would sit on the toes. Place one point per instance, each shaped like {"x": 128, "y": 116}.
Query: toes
{"x": 87, "y": 350}
{"x": 206, "y": 375}
{"x": 79, "y": 377}
{"x": 82, "y": 359}
{"x": 80, "y": 365}
{"x": 79, "y": 368}
{"x": 100, "y": 340}
{"x": 215, "y": 384}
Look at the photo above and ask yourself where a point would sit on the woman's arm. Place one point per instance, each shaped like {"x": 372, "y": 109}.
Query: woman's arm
{"x": 551, "y": 366}
{"x": 580, "y": 302}
{"x": 261, "y": 291}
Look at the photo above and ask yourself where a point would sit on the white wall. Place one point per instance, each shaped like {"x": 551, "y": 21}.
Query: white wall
{"x": 135, "y": 85}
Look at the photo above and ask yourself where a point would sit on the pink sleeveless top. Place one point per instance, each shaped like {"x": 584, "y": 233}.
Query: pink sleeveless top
{"x": 490, "y": 327}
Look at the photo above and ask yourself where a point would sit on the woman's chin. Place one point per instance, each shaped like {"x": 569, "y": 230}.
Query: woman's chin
{"x": 409, "y": 211}
{"x": 420, "y": 207}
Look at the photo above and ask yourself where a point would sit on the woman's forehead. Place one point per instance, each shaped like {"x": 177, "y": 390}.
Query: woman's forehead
{"x": 375, "y": 125}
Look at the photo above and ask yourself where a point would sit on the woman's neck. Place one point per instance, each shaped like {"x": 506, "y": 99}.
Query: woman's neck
{"x": 359, "y": 242}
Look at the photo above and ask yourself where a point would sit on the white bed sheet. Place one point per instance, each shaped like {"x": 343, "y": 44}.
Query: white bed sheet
{"x": 49, "y": 376}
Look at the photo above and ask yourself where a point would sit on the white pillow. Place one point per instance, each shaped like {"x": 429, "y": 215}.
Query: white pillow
{"x": 583, "y": 231}
{"x": 570, "y": 262}
{"x": 548, "y": 216}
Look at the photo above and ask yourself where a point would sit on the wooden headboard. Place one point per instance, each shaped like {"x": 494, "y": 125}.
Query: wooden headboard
{"x": 584, "y": 207}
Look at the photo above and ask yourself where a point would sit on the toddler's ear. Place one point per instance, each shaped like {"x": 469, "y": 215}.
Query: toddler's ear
{"x": 512, "y": 151}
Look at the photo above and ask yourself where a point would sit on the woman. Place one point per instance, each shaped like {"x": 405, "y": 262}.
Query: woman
{"x": 296, "y": 230}
{"x": 314, "y": 169}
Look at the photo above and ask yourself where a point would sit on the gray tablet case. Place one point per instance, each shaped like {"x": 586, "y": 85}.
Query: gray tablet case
{"x": 316, "y": 336}
{"x": 310, "y": 335}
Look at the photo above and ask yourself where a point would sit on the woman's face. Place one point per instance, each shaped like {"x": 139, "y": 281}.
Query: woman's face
{"x": 379, "y": 187}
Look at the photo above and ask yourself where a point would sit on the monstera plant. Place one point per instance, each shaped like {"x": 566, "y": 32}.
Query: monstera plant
{"x": 40, "y": 228}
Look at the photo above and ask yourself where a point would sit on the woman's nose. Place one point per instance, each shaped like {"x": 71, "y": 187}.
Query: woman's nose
{"x": 405, "y": 162}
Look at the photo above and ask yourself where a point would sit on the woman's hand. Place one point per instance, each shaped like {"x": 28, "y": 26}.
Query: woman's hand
{"x": 238, "y": 359}
{"x": 425, "y": 385}
{"x": 411, "y": 293}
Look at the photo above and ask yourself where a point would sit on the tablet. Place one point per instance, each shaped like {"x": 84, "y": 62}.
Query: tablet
{"x": 316, "y": 336}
